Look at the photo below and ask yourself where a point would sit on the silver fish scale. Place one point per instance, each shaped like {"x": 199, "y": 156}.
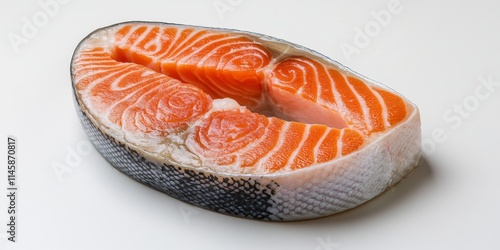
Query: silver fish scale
{"x": 243, "y": 197}
{"x": 322, "y": 194}
{"x": 318, "y": 192}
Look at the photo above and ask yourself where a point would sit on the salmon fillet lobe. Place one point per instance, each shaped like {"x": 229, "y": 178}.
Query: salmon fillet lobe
{"x": 240, "y": 123}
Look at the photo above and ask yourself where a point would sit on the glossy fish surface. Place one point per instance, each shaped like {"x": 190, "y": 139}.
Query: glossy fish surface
{"x": 241, "y": 123}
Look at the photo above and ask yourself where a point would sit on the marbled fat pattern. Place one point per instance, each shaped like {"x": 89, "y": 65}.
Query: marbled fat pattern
{"x": 241, "y": 123}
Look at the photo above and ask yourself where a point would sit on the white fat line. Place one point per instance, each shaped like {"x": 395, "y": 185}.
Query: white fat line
{"x": 91, "y": 70}
{"x": 91, "y": 58}
{"x": 201, "y": 81}
{"x": 260, "y": 163}
{"x": 137, "y": 123}
{"x": 128, "y": 96}
{"x": 295, "y": 153}
{"x": 134, "y": 105}
{"x": 340, "y": 144}
{"x": 206, "y": 57}
{"x": 336, "y": 96}
{"x": 94, "y": 62}
{"x": 119, "y": 69}
{"x": 221, "y": 93}
{"x": 172, "y": 42}
{"x": 318, "y": 144}
{"x": 156, "y": 42}
{"x": 94, "y": 65}
{"x": 385, "y": 115}
{"x": 243, "y": 45}
{"x": 285, "y": 84}
{"x": 194, "y": 52}
{"x": 186, "y": 137}
{"x": 221, "y": 63}
{"x": 300, "y": 90}
{"x": 282, "y": 56}
{"x": 319, "y": 88}
{"x": 198, "y": 124}
{"x": 114, "y": 85}
{"x": 94, "y": 58}
{"x": 86, "y": 95}
{"x": 84, "y": 54}
{"x": 94, "y": 70}
{"x": 281, "y": 83}
{"x": 364, "y": 106}
{"x": 223, "y": 45}
{"x": 316, "y": 75}
{"x": 141, "y": 37}
{"x": 183, "y": 46}
{"x": 127, "y": 36}
{"x": 213, "y": 87}
{"x": 251, "y": 146}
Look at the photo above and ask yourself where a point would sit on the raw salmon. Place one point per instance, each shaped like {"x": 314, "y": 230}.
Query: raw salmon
{"x": 241, "y": 123}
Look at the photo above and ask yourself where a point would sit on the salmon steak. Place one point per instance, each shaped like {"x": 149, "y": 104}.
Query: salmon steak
{"x": 240, "y": 123}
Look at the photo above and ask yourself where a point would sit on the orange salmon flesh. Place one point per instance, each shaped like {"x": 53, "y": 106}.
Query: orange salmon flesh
{"x": 162, "y": 80}
{"x": 241, "y": 123}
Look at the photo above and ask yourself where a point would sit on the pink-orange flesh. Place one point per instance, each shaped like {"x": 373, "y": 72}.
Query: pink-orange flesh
{"x": 161, "y": 80}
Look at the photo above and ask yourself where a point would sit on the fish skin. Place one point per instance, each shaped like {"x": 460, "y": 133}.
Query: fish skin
{"x": 307, "y": 193}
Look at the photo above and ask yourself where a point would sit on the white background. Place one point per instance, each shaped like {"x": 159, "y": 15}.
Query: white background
{"x": 433, "y": 52}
